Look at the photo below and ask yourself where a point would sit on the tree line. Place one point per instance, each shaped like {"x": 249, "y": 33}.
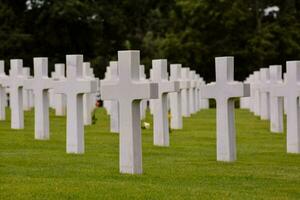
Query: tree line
{"x": 257, "y": 33}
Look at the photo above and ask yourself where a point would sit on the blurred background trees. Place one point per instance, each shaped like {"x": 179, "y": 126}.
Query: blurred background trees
{"x": 257, "y": 33}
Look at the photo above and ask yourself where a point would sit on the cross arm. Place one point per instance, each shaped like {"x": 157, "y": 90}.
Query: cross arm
{"x": 4, "y": 80}
{"x": 169, "y": 86}
{"x": 184, "y": 84}
{"x": 208, "y": 91}
{"x": 145, "y": 91}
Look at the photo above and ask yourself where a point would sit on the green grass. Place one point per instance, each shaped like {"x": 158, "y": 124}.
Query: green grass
{"x": 31, "y": 169}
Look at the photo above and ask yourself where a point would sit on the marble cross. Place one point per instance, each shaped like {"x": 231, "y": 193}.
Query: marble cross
{"x": 52, "y": 99}
{"x": 252, "y": 96}
{"x": 40, "y": 84}
{"x": 224, "y": 90}
{"x": 151, "y": 100}
{"x": 129, "y": 91}
{"x": 3, "y": 84}
{"x": 175, "y": 97}
{"x": 204, "y": 103}
{"x": 16, "y": 80}
{"x": 256, "y": 89}
{"x": 192, "y": 92}
{"x": 114, "y": 105}
{"x": 87, "y": 97}
{"x": 245, "y": 101}
{"x": 74, "y": 86}
{"x": 59, "y": 99}
{"x": 276, "y": 103}
{"x": 198, "y": 83}
{"x": 284, "y": 100}
{"x": 290, "y": 90}
{"x": 143, "y": 102}
{"x": 185, "y": 97}
{"x": 26, "y": 92}
{"x": 264, "y": 94}
{"x": 160, "y": 105}
{"x": 106, "y": 103}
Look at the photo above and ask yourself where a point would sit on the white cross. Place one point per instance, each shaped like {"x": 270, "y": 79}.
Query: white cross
{"x": 59, "y": 99}
{"x": 106, "y": 104}
{"x": 192, "y": 91}
{"x": 74, "y": 86}
{"x": 3, "y": 84}
{"x": 223, "y": 91}
{"x": 185, "y": 97}
{"x": 87, "y": 98}
{"x": 256, "y": 90}
{"x": 151, "y": 100}
{"x": 52, "y": 95}
{"x": 16, "y": 97}
{"x": 252, "y": 96}
{"x": 114, "y": 105}
{"x": 175, "y": 97}
{"x": 290, "y": 90}
{"x": 276, "y": 103}
{"x": 26, "y": 92}
{"x": 204, "y": 102}
{"x": 198, "y": 83}
{"x": 40, "y": 84}
{"x": 128, "y": 91}
{"x": 143, "y": 104}
{"x": 244, "y": 101}
{"x": 160, "y": 105}
{"x": 264, "y": 94}
{"x": 284, "y": 100}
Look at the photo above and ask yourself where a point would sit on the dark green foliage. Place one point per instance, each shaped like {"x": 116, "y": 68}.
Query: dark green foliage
{"x": 191, "y": 32}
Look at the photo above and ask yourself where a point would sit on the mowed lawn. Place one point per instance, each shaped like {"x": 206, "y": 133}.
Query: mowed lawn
{"x": 31, "y": 169}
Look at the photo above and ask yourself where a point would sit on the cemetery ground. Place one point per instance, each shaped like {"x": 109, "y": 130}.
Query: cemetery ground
{"x": 32, "y": 169}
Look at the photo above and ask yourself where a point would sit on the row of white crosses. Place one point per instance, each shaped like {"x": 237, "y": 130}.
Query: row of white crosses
{"x": 74, "y": 86}
{"x": 270, "y": 96}
{"x": 125, "y": 88}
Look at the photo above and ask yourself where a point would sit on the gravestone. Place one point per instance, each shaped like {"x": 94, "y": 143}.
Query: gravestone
{"x": 3, "y": 84}
{"x": 160, "y": 105}
{"x": 87, "y": 97}
{"x": 74, "y": 86}
{"x": 128, "y": 91}
{"x": 150, "y": 100}
{"x": 185, "y": 97}
{"x": 252, "y": 95}
{"x": 40, "y": 84}
{"x": 276, "y": 103}
{"x": 143, "y": 102}
{"x": 59, "y": 99}
{"x": 204, "y": 102}
{"x": 175, "y": 97}
{"x": 114, "y": 105}
{"x": 284, "y": 100}
{"x": 223, "y": 91}
{"x": 264, "y": 94}
{"x": 197, "y": 95}
{"x": 26, "y": 92}
{"x": 16, "y": 93}
{"x": 290, "y": 90}
{"x": 52, "y": 99}
{"x": 245, "y": 101}
{"x": 106, "y": 104}
{"x": 256, "y": 89}
{"x": 192, "y": 91}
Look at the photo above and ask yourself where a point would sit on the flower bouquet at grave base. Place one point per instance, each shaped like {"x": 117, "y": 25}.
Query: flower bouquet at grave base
{"x": 145, "y": 125}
